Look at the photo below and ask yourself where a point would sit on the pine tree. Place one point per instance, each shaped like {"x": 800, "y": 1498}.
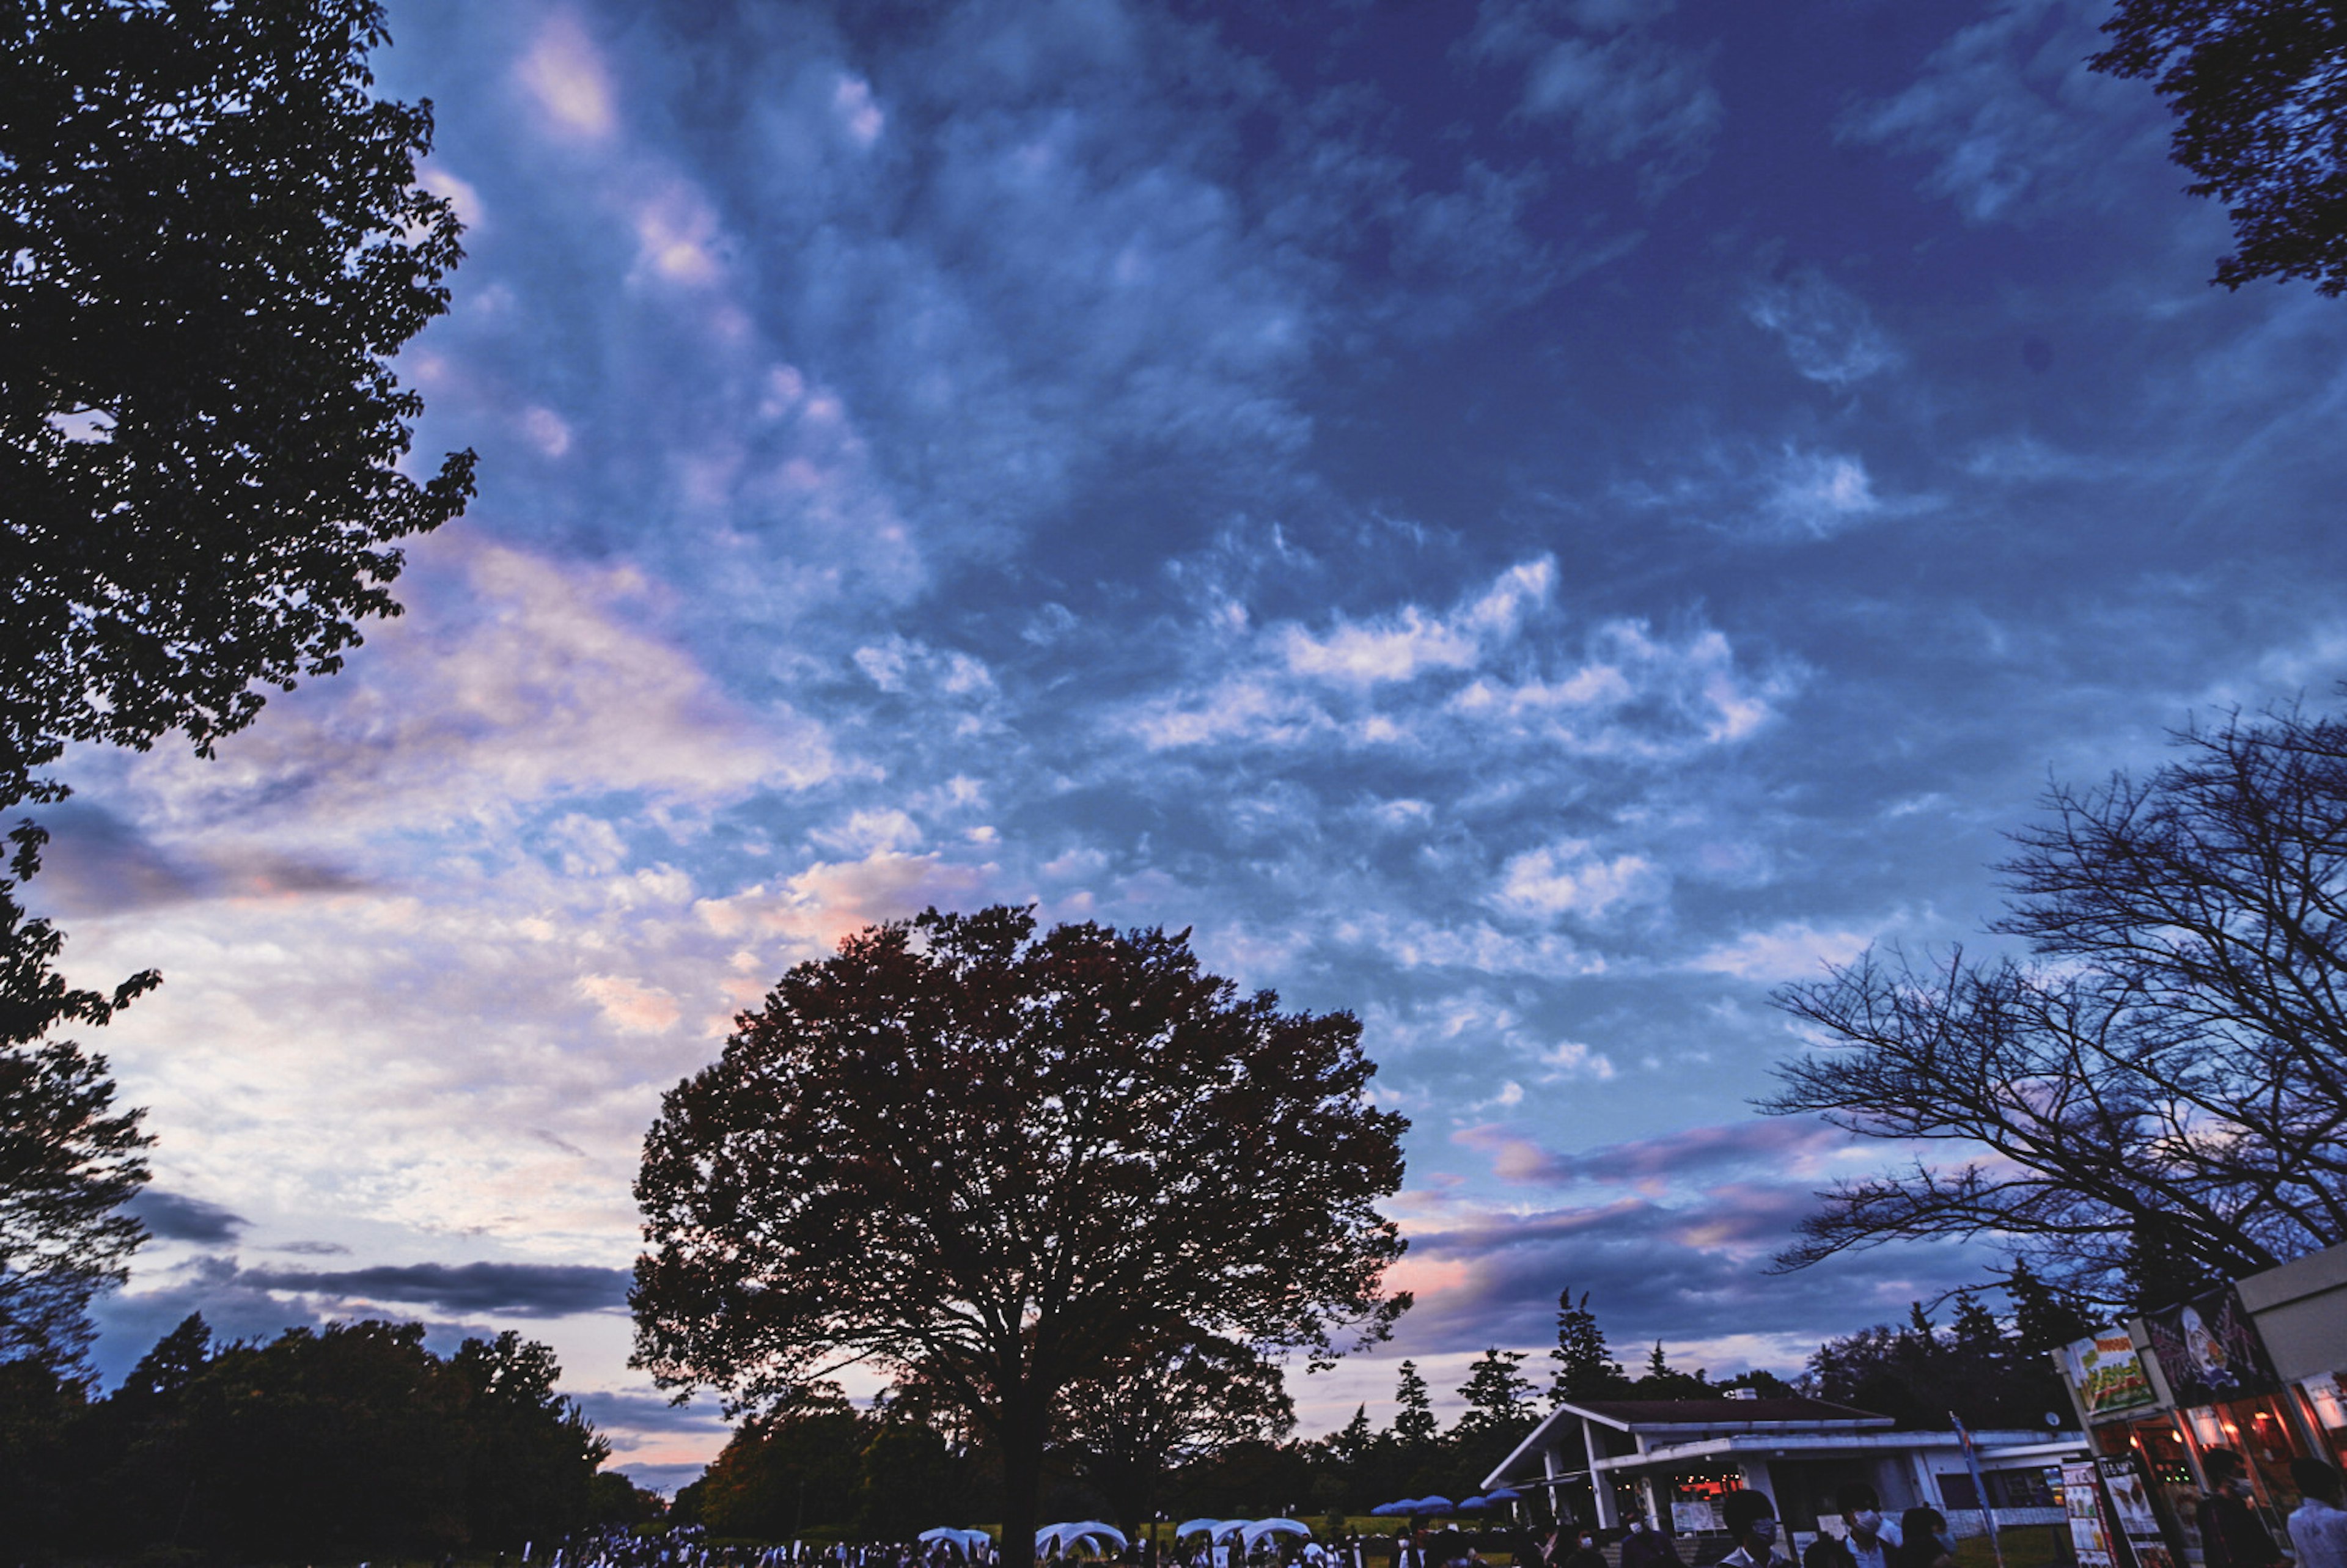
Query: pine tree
{"x": 1414, "y": 1424}
{"x": 1585, "y": 1368}
{"x": 2043, "y": 1319}
{"x": 1498, "y": 1396}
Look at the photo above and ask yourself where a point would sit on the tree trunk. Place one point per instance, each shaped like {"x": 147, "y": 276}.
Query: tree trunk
{"x": 1022, "y": 1485}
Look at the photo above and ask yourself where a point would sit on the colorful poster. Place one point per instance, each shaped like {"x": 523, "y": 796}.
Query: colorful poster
{"x": 2108, "y": 1374}
{"x": 2082, "y": 1499}
{"x": 2138, "y": 1519}
{"x": 2210, "y": 1351}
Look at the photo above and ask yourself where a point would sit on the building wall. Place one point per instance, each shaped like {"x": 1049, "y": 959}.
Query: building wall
{"x": 2300, "y": 1311}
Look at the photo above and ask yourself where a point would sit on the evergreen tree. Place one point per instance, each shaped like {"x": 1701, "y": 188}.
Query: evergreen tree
{"x": 1414, "y": 1423}
{"x": 1664, "y": 1381}
{"x": 2043, "y": 1318}
{"x": 1585, "y": 1368}
{"x": 1498, "y": 1395}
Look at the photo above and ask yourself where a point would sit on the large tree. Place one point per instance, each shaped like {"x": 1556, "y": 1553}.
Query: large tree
{"x": 216, "y": 244}
{"x": 2158, "y": 1096}
{"x": 992, "y": 1164}
{"x": 2259, "y": 91}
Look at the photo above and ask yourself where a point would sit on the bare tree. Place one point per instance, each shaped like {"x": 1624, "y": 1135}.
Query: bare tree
{"x": 2164, "y": 1083}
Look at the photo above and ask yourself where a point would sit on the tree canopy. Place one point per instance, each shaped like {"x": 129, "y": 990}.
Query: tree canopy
{"x": 2260, "y": 92}
{"x": 334, "y": 1441}
{"x": 68, "y": 1158}
{"x": 2157, "y": 1097}
{"x": 217, "y": 242}
{"x": 993, "y": 1163}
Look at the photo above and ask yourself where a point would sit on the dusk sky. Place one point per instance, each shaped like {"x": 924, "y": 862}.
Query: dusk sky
{"x": 1533, "y": 523}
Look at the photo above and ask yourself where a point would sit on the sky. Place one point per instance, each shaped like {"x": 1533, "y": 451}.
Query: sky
{"x": 1535, "y": 523}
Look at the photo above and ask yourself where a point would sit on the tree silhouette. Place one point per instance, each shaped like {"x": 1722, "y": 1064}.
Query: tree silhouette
{"x": 994, "y": 1163}
{"x": 1414, "y": 1425}
{"x": 216, "y": 244}
{"x": 1585, "y": 1368}
{"x": 1180, "y": 1398}
{"x": 68, "y": 1159}
{"x": 2163, "y": 1092}
{"x": 2262, "y": 118}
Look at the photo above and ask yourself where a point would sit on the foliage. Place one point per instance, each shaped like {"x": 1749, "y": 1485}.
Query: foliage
{"x": 995, "y": 1163}
{"x": 345, "y": 1439}
{"x": 1499, "y": 1411}
{"x": 216, "y": 244}
{"x": 1977, "y": 1370}
{"x": 1585, "y": 1368}
{"x": 2259, "y": 91}
{"x": 1661, "y": 1380}
{"x": 68, "y": 1159}
{"x": 1175, "y": 1400}
{"x": 2160, "y": 1093}
{"x": 1414, "y": 1424}
{"x": 821, "y": 1464}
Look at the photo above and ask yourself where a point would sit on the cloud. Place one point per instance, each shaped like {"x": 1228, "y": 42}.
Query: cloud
{"x": 1781, "y": 1145}
{"x": 1565, "y": 880}
{"x": 1794, "y": 950}
{"x": 501, "y": 1289}
{"x": 631, "y": 1005}
{"x": 1827, "y": 332}
{"x": 563, "y": 73}
{"x": 171, "y": 1216}
{"x": 1694, "y": 1271}
{"x": 1380, "y": 682}
{"x": 2015, "y": 123}
{"x": 830, "y": 899}
{"x": 512, "y": 679}
{"x": 1629, "y": 97}
{"x": 1819, "y": 494}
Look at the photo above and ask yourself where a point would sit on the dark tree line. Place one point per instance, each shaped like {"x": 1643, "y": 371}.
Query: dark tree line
{"x": 348, "y": 1439}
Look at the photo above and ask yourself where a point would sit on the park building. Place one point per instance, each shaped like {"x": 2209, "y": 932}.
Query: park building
{"x": 1673, "y": 1461}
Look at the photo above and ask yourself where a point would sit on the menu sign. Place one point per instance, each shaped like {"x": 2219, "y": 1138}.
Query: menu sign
{"x": 2129, "y": 1490}
{"x": 2108, "y": 1374}
{"x": 2210, "y": 1351}
{"x": 2082, "y": 1499}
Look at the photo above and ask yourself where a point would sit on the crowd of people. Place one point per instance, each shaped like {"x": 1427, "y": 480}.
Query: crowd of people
{"x": 2232, "y": 1536}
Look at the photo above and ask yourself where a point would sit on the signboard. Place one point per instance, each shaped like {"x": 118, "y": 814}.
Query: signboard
{"x": 2129, "y": 1490}
{"x": 2108, "y": 1374}
{"x": 2210, "y": 1351}
{"x": 1693, "y": 1516}
{"x": 2082, "y": 1499}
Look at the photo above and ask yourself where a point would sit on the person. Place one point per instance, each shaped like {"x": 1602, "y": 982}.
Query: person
{"x": 1585, "y": 1553}
{"x": 2318, "y": 1526}
{"x": 1923, "y": 1540}
{"x": 1751, "y": 1520}
{"x": 2231, "y": 1534}
{"x": 1868, "y": 1537}
{"x": 1646, "y": 1547}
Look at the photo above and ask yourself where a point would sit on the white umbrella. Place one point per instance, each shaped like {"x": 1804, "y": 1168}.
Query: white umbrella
{"x": 1211, "y": 1527}
{"x": 1263, "y": 1527}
